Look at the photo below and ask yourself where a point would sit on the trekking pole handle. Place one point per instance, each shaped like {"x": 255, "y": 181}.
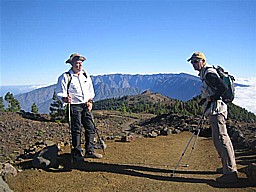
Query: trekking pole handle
{"x": 69, "y": 114}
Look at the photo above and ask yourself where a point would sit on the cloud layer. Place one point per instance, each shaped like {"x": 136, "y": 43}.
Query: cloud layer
{"x": 246, "y": 96}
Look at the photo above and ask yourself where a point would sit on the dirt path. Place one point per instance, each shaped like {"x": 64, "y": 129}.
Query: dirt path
{"x": 141, "y": 165}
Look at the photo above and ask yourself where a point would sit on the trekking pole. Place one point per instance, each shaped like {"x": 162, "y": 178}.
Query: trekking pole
{"x": 193, "y": 147}
{"x": 102, "y": 143}
{"x": 183, "y": 153}
{"x": 70, "y": 135}
{"x": 200, "y": 125}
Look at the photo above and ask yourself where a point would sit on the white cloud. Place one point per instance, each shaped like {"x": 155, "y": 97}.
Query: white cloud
{"x": 246, "y": 96}
{"x": 39, "y": 86}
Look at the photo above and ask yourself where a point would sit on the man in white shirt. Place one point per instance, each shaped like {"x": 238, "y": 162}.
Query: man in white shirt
{"x": 75, "y": 88}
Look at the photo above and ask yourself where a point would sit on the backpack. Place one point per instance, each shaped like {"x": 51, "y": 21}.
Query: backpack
{"x": 229, "y": 95}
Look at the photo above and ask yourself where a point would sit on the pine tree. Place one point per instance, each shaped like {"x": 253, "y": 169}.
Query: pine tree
{"x": 56, "y": 109}
{"x": 123, "y": 108}
{"x": 34, "y": 108}
{"x": 13, "y": 104}
{"x": 1, "y": 104}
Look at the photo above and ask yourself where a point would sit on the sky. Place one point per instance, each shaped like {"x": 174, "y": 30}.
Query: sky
{"x": 129, "y": 37}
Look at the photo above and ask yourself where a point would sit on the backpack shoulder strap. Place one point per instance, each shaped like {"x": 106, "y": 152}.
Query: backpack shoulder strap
{"x": 209, "y": 69}
{"x": 85, "y": 74}
{"x": 204, "y": 72}
{"x": 69, "y": 79}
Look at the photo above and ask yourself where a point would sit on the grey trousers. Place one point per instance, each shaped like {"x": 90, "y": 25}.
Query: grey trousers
{"x": 223, "y": 143}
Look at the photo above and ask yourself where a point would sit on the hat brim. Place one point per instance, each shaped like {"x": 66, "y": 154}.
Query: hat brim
{"x": 81, "y": 58}
{"x": 193, "y": 58}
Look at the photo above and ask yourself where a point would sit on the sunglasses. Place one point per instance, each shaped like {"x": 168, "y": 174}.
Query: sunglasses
{"x": 196, "y": 61}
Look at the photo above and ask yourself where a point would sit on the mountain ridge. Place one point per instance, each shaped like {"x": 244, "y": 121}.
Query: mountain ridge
{"x": 178, "y": 86}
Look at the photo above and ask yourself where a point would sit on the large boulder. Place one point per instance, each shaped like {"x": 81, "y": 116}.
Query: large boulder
{"x": 4, "y": 186}
{"x": 7, "y": 170}
{"x": 46, "y": 158}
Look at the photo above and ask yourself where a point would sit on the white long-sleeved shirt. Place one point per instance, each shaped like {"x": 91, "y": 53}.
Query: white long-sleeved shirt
{"x": 80, "y": 88}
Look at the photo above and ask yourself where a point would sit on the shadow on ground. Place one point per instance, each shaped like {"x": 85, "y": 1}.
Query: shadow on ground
{"x": 245, "y": 156}
{"x": 138, "y": 171}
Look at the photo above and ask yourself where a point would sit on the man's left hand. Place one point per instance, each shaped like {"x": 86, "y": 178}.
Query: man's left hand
{"x": 89, "y": 105}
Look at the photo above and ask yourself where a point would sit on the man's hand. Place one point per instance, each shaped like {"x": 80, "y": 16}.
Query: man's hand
{"x": 89, "y": 105}
{"x": 66, "y": 99}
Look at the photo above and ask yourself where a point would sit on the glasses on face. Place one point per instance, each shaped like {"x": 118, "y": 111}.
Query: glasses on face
{"x": 196, "y": 61}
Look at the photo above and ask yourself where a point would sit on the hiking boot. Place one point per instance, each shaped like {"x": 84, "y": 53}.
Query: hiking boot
{"x": 93, "y": 155}
{"x": 228, "y": 178}
{"x": 219, "y": 170}
{"x": 77, "y": 155}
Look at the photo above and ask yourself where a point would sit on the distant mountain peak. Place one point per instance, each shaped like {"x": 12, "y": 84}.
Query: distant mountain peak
{"x": 147, "y": 92}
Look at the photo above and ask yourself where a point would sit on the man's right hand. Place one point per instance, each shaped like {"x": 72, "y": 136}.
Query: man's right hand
{"x": 66, "y": 99}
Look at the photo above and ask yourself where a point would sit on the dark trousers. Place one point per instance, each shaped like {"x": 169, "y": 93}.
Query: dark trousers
{"x": 80, "y": 116}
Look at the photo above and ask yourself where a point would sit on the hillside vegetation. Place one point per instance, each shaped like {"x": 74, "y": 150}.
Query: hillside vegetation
{"x": 155, "y": 103}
